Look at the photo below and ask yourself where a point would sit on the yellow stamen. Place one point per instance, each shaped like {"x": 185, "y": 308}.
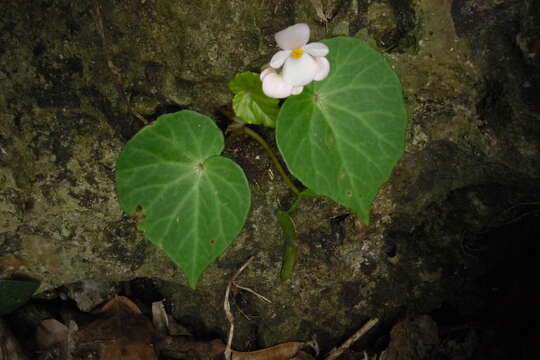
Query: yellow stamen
{"x": 297, "y": 53}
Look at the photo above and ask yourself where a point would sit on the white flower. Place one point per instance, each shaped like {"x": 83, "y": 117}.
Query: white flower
{"x": 302, "y": 63}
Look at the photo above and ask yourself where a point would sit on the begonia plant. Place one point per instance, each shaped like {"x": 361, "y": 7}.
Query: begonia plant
{"x": 339, "y": 132}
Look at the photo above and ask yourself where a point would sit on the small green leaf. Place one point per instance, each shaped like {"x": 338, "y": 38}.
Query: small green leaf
{"x": 250, "y": 103}
{"x": 342, "y": 136}
{"x": 191, "y": 202}
{"x": 14, "y": 293}
{"x": 290, "y": 248}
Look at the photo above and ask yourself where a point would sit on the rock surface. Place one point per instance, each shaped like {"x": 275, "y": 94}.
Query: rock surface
{"x": 71, "y": 98}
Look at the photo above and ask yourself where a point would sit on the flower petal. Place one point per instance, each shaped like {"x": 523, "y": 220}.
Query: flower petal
{"x": 297, "y": 90}
{"x": 316, "y": 49}
{"x": 323, "y": 68}
{"x": 265, "y": 72}
{"x": 275, "y": 87}
{"x": 293, "y": 37}
{"x": 301, "y": 71}
{"x": 279, "y": 58}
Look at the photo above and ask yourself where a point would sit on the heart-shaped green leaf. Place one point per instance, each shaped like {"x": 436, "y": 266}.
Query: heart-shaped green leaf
{"x": 250, "y": 104}
{"x": 191, "y": 202}
{"x": 14, "y": 293}
{"x": 342, "y": 136}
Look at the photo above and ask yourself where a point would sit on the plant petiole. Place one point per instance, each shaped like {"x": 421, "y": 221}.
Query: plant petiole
{"x": 273, "y": 157}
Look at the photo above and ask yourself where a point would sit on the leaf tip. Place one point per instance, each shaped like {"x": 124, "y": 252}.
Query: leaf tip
{"x": 138, "y": 214}
{"x": 192, "y": 281}
{"x": 364, "y": 217}
{"x": 139, "y": 217}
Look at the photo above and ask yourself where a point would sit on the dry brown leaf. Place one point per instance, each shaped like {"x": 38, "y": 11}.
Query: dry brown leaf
{"x": 9, "y": 346}
{"x": 301, "y": 355}
{"x": 50, "y": 332}
{"x": 285, "y": 351}
{"x": 183, "y": 347}
{"x": 120, "y": 303}
{"x": 126, "y": 349}
{"x": 160, "y": 319}
{"x": 121, "y": 333}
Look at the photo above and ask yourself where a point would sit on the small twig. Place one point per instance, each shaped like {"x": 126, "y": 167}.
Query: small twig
{"x": 244, "y": 313}
{"x": 227, "y": 307}
{"x": 336, "y": 352}
{"x": 140, "y": 117}
{"x": 261, "y": 297}
{"x": 273, "y": 157}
